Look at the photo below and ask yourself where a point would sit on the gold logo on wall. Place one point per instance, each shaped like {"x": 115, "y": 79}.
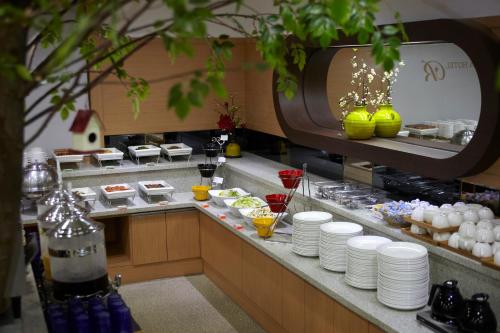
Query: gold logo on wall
{"x": 434, "y": 70}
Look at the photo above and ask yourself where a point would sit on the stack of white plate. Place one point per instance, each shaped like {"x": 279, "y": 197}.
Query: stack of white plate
{"x": 362, "y": 271}
{"x": 332, "y": 244}
{"x": 403, "y": 275}
{"x": 305, "y": 232}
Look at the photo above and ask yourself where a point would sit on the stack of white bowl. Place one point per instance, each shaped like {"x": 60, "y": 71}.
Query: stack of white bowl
{"x": 362, "y": 270}
{"x": 332, "y": 244}
{"x": 403, "y": 275}
{"x": 305, "y": 232}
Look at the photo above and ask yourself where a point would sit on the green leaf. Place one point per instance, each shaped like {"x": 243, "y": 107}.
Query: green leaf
{"x": 23, "y": 72}
{"x": 390, "y": 30}
{"x": 340, "y": 10}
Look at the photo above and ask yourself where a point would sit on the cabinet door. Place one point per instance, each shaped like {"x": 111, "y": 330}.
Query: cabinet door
{"x": 293, "y": 302}
{"x": 318, "y": 311}
{"x": 262, "y": 281}
{"x": 374, "y": 329}
{"x": 221, "y": 250}
{"x": 183, "y": 235}
{"x": 346, "y": 321}
{"x": 148, "y": 238}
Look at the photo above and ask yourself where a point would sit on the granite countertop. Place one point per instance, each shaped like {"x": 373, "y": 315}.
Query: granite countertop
{"x": 360, "y": 301}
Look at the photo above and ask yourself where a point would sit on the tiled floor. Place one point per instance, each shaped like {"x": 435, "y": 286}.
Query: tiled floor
{"x": 190, "y": 304}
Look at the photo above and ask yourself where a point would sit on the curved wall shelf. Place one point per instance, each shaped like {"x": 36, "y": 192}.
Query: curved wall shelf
{"x": 307, "y": 120}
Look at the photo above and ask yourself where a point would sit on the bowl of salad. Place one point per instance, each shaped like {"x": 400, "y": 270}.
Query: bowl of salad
{"x": 233, "y": 193}
{"x": 245, "y": 202}
{"x": 251, "y": 213}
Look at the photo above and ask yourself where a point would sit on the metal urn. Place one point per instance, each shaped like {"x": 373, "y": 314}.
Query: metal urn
{"x": 39, "y": 178}
{"x": 78, "y": 257}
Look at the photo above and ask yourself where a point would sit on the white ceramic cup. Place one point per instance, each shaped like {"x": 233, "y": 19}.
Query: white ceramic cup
{"x": 453, "y": 240}
{"x": 455, "y": 219}
{"x": 482, "y": 250}
{"x": 495, "y": 247}
{"x": 467, "y": 229}
{"x": 441, "y": 236}
{"x": 486, "y": 214}
{"x": 459, "y": 204}
{"x": 440, "y": 221}
{"x": 418, "y": 214}
{"x": 497, "y": 258}
{"x": 429, "y": 213}
{"x": 471, "y": 215}
{"x": 446, "y": 206}
{"x": 484, "y": 236}
{"x": 415, "y": 229}
{"x": 485, "y": 224}
{"x": 496, "y": 232}
{"x": 466, "y": 243}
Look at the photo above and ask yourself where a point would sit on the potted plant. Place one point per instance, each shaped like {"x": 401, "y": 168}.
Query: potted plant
{"x": 229, "y": 121}
{"x": 356, "y": 120}
{"x": 387, "y": 120}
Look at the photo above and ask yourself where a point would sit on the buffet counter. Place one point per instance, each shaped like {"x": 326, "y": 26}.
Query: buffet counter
{"x": 259, "y": 176}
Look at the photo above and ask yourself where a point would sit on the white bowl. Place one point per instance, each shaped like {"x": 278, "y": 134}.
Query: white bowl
{"x": 482, "y": 250}
{"x": 246, "y": 213}
{"x": 236, "y": 210}
{"x": 219, "y": 200}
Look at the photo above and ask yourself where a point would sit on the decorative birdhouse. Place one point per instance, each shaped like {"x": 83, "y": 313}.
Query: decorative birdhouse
{"x": 87, "y": 131}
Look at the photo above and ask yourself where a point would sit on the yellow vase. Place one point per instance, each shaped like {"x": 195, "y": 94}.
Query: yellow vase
{"x": 233, "y": 150}
{"x": 358, "y": 124}
{"x": 387, "y": 121}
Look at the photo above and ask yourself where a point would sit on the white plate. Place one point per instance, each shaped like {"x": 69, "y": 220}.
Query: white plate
{"x": 366, "y": 243}
{"x": 69, "y": 158}
{"x": 118, "y": 194}
{"x": 312, "y": 216}
{"x": 151, "y": 151}
{"x": 236, "y": 210}
{"x": 215, "y": 194}
{"x": 86, "y": 193}
{"x": 421, "y": 132}
{"x": 182, "y": 150}
{"x": 115, "y": 154}
{"x": 167, "y": 189}
{"x": 341, "y": 228}
{"x": 402, "y": 250}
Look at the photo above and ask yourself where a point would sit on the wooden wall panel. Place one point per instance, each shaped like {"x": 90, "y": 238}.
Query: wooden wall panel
{"x": 259, "y": 107}
{"x": 152, "y": 63}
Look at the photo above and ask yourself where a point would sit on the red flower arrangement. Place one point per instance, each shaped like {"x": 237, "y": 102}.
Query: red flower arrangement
{"x": 228, "y": 116}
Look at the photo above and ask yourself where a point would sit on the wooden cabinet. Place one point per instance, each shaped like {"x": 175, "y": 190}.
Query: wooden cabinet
{"x": 148, "y": 238}
{"x": 262, "y": 281}
{"x": 221, "y": 250}
{"x": 293, "y": 302}
{"x": 374, "y": 329}
{"x": 346, "y": 321}
{"x": 318, "y": 312}
{"x": 183, "y": 235}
